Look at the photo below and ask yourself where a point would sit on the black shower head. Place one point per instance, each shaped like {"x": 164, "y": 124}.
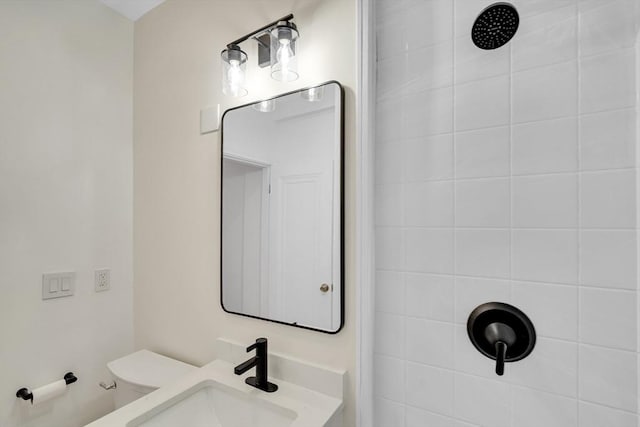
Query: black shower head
{"x": 495, "y": 26}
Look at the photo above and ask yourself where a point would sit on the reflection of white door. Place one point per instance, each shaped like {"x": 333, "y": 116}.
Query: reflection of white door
{"x": 245, "y": 229}
{"x": 304, "y": 240}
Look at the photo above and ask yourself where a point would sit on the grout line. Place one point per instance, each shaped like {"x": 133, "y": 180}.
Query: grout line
{"x": 511, "y": 215}
{"x": 504, "y": 279}
{"x": 454, "y": 148}
{"x": 499, "y": 228}
{"x": 579, "y": 197}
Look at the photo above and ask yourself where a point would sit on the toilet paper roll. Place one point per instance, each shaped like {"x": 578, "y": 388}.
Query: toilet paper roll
{"x": 49, "y": 391}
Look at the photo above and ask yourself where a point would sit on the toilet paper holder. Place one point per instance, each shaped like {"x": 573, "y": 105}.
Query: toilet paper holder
{"x": 25, "y": 394}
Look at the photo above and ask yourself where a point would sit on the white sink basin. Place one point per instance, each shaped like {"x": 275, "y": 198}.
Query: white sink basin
{"x": 213, "y": 396}
{"x": 211, "y": 404}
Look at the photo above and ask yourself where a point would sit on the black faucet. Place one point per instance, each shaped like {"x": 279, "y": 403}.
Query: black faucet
{"x": 260, "y": 362}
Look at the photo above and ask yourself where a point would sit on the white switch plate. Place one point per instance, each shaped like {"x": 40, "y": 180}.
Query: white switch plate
{"x": 58, "y": 285}
{"x": 103, "y": 280}
{"x": 210, "y": 119}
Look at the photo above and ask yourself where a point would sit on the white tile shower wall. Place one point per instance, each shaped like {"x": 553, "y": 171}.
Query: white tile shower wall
{"x": 507, "y": 175}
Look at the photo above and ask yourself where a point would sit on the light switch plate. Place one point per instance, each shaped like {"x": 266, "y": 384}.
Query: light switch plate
{"x": 210, "y": 119}
{"x": 58, "y": 285}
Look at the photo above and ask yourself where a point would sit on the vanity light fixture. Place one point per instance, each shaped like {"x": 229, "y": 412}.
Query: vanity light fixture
{"x": 277, "y": 48}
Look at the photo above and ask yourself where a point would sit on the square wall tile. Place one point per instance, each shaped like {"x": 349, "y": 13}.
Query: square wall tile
{"x": 482, "y": 104}
{"x": 608, "y": 140}
{"x": 545, "y": 255}
{"x": 389, "y": 335}
{"x": 429, "y": 342}
{"x": 482, "y": 401}
{"x": 608, "y": 81}
{"x": 390, "y": 290}
{"x": 483, "y": 203}
{"x": 548, "y": 201}
{"x": 389, "y": 112}
{"x": 608, "y": 199}
{"x": 389, "y": 163}
{"x": 426, "y": 113}
{"x": 429, "y": 250}
{"x": 389, "y": 248}
{"x": 387, "y": 413}
{"x": 545, "y": 147}
{"x": 482, "y": 253}
{"x": 389, "y": 377}
{"x": 545, "y": 93}
{"x": 471, "y": 292}
{"x": 552, "y": 367}
{"x": 534, "y": 409}
{"x": 430, "y": 67}
{"x": 597, "y": 416}
{"x": 477, "y": 64}
{"x": 609, "y": 258}
{"x": 553, "y": 309}
{"x": 429, "y": 388}
{"x": 389, "y": 205}
{"x": 608, "y": 317}
{"x": 429, "y": 158}
{"x": 608, "y": 377}
{"x": 482, "y": 153}
{"x": 392, "y": 75}
{"x": 429, "y": 296}
{"x": 607, "y": 25}
{"x": 427, "y": 22}
{"x": 546, "y": 38}
{"x": 429, "y": 204}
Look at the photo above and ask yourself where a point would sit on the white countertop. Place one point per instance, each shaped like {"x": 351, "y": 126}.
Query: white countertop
{"x": 312, "y": 408}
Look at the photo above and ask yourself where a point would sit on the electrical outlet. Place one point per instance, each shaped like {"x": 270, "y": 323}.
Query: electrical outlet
{"x": 103, "y": 280}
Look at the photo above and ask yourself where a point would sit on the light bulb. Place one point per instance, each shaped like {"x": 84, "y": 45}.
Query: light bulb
{"x": 284, "y": 56}
{"x": 284, "y": 50}
{"x": 234, "y": 62}
{"x": 235, "y": 77}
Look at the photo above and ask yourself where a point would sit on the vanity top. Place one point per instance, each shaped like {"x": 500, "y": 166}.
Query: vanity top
{"x": 303, "y": 407}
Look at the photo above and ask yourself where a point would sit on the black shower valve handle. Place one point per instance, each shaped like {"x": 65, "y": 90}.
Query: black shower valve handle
{"x": 501, "y": 355}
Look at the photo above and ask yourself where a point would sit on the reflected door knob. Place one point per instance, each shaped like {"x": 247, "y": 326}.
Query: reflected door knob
{"x": 324, "y": 288}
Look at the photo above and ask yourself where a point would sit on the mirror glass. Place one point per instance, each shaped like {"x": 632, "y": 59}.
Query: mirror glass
{"x": 282, "y": 204}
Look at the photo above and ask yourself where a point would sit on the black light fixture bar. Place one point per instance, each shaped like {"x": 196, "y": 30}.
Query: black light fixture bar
{"x": 289, "y": 17}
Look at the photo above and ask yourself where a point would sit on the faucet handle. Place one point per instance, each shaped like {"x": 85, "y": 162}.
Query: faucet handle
{"x": 501, "y": 355}
{"x": 260, "y": 342}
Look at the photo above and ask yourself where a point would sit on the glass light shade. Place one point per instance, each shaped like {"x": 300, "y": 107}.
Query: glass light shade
{"x": 284, "y": 59}
{"x": 313, "y": 94}
{"x": 234, "y": 67}
{"x": 267, "y": 106}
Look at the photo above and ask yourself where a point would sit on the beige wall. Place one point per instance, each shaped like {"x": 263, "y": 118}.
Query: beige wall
{"x": 66, "y": 86}
{"x": 177, "y": 175}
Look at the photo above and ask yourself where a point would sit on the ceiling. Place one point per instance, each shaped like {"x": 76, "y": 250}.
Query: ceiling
{"x": 132, "y": 9}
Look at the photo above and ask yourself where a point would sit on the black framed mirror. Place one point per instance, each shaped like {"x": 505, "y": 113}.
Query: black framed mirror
{"x": 282, "y": 202}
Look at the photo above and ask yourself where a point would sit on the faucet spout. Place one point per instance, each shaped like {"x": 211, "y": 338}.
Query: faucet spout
{"x": 245, "y": 366}
{"x": 260, "y": 381}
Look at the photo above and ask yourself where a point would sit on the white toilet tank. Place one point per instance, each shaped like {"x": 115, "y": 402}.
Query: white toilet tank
{"x": 142, "y": 372}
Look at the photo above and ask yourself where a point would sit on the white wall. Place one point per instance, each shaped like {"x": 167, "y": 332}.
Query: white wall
{"x": 507, "y": 175}
{"x": 177, "y": 174}
{"x": 65, "y": 202}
